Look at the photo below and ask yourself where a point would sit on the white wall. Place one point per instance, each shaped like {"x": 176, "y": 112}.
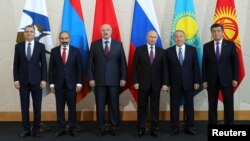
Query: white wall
{"x": 10, "y": 15}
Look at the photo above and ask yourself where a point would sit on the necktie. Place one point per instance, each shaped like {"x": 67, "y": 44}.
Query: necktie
{"x": 106, "y": 49}
{"x": 29, "y": 51}
{"x": 151, "y": 55}
{"x": 217, "y": 51}
{"x": 180, "y": 56}
{"x": 64, "y": 55}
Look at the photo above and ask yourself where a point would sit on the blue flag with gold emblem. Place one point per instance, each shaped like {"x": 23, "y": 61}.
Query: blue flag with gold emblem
{"x": 184, "y": 19}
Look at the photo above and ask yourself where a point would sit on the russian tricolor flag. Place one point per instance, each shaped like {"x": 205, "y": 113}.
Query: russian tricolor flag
{"x": 144, "y": 20}
{"x": 73, "y": 22}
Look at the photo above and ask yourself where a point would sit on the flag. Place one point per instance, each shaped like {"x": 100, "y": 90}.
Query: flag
{"x": 35, "y": 13}
{"x": 225, "y": 14}
{"x": 144, "y": 20}
{"x": 73, "y": 22}
{"x": 105, "y": 14}
{"x": 184, "y": 19}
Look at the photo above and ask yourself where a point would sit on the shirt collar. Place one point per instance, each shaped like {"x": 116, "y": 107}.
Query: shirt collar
{"x": 148, "y": 45}
{"x": 67, "y": 47}
{"x": 220, "y": 41}
{"x": 103, "y": 40}
{"x": 32, "y": 42}
{"x": 182, "y": 46}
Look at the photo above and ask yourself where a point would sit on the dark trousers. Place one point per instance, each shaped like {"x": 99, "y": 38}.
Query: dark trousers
{"x": 66, "y": 96}
{"x": 109, "y": 94}
{"x": 143, "y": 98}
{"x": 175, "y": 96}
{"x": 36, "y": 94}
{"x": 228, "y": 101}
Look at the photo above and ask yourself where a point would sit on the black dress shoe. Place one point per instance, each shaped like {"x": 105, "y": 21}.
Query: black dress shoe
{"x": 100, "y": 133}
{"x": 36, "y": 134}
{"x": 115, "y": 132}
{"x": 73, "y": 133}
{"x": 60, "y": 133}
{"x": 154, "y": 133}
{"x": 140, "y": 133}
{"x": 175, "y": 131}
{"x": 190, "y": 131}
{"x": 25, "y": 134}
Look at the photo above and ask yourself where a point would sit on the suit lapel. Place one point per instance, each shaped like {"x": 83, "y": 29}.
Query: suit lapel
{"x": 145, "y": 52}
{"x": 100, "y": 48}
{"x": 212, "y": 50}
{"x": 34, "y": 50}
{"x": 111, "y": 50}
{"x": 58, "y": 52}
{"x": 156, "y": 55}
{"x": 69, "y": 55}
{"x": 23, "y": 50}
{"x": 175, "y": 55}
{"x": 223, "y": 49}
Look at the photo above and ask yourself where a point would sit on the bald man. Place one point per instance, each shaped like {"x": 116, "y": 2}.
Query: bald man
{"x": 107, "y": 72}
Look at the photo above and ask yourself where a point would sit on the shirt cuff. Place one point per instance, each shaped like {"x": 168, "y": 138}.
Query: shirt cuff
{"x": 79, "y": 85}
{"x": 51, "y": 85}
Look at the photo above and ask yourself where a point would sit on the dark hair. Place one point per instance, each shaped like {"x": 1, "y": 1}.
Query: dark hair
{"x": 215, "y": 25}
{"x": 29, "y": 26}
{"x": 64, "y": 32}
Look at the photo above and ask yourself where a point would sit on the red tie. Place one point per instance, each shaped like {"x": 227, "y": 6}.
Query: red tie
{"x": 64, "y": 55}
{"x": 106, "y": 49}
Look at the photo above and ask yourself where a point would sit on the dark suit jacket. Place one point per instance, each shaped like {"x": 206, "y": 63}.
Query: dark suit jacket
{"x": 148, "y": 75}
{"x": 33, "y": 71}
{"x": 227, "y": 68}
{"x": 185, "y": 75}
{"x": 107, "y": 71}
{"x": 71, "y": 72}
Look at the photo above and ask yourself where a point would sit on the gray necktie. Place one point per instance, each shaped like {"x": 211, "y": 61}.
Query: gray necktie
{"x": 180, "y": 56}
{"x": 29, "y": 51}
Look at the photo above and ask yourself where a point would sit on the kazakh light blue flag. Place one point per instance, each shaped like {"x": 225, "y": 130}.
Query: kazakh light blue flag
{"x": 73, "y": 22}
{"x": 185, "y": 19}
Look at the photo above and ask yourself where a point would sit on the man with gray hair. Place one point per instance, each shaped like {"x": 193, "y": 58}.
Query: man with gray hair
{"x": 30, "y": 76}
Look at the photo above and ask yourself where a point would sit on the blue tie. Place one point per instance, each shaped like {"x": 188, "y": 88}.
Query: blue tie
{"x": 29, "y": 51}
{"x": 180, "y": 56}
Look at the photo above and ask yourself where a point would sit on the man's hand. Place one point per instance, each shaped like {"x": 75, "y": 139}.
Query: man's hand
{"x": 196, "y": 86}
{"x": 17, "y": 85}
{"x": 122, "y": 83}
{"x": 136, "y": 86}
{"x": 165, "y": 88}
{"x": 92, "y": 83}
{"x": 205, "y": 85}
{"x": 78, "y": 88}
{"x": 52, "y": 89}
{"x": 43, "y": 84}
{"x": 234, "y": 83}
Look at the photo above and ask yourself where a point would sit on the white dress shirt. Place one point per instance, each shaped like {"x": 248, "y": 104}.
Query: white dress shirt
{"x": 220, "y": 43}
{"x": 183, "y": 48}
{"x": 31, "y": 46}
{"x": 149, "y": 49}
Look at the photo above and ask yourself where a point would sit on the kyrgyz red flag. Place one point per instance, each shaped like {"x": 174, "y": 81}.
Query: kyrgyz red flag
{"x": 225, "y": 14}
{"x": 105, "y": 14}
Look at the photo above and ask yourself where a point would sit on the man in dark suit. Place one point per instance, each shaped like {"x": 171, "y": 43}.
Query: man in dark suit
{"x": 220, "y": 71}
{"x": 149, "y": 77}
{"x": 65, "y": 77}
{"x": 184, "y": 78}
{"x": 107, "y": 72}
{"x": 30, "y": 76}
